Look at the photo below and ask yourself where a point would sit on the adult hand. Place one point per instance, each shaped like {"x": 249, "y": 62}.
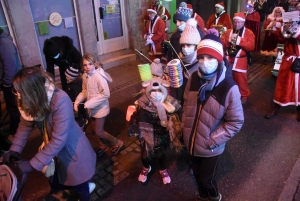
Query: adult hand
{"x": 24, "y": 167}
{"x": 10, "y": 157}
{"x": 76, "y": 103}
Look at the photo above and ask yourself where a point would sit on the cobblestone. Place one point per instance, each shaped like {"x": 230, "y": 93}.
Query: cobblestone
{"x": 115, "y": 164}
{"x": 115, "y": 172}
{"x": 138, "y": 149}
{"x": 134, "y": 145}
{"x": 102, "y": 173}
{"x": 101, "y": 191}
{"x": 120, "y": 177}
{"x": 129, "y": 149}
{"x": 123, "y": 152}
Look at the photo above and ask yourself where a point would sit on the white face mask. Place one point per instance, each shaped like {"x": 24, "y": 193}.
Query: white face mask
{"x": 181, "y": 27}
{"x": 187, "y": 50}
{"x": 156, "y": 96}
{"x": 208, "y": 66}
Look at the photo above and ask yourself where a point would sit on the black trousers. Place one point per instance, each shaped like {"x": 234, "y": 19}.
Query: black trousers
{"x": 204, "y": 172}
{"x": 12, "y": 109}
{"x": 162, "y": 159}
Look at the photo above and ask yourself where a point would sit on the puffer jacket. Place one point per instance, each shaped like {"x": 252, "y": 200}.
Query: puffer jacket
{"x": 208, "y": 126}
{"x": 96, "y": 91}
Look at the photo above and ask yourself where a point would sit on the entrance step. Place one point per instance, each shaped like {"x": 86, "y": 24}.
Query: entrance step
{"x": 117, "y": 61}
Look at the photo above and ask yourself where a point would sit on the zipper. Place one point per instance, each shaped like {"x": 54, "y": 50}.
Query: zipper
{"x": 195, "y": 130}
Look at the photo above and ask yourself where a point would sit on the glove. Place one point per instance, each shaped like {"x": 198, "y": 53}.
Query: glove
{"x": 148, "y": 41}
{"x": 133, "y": 130}
{"x": 24, "y": 167}
{"x": 76, "y": 103}
{"x": 10, "y": 157}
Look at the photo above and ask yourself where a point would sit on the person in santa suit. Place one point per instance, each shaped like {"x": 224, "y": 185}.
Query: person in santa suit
{"x": 154, "y": 33}
{"x": 198, "y": 18}
{"x": 238, "y": 42}
{"x": 273, "y": 22}
{"x": 219, "y": 18}
{"x": 162, "y": 12}
{"x": 287, "y": 84}
{"x": 253, "y": 23}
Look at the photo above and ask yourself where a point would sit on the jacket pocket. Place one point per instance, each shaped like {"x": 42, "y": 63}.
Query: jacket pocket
{"x": 70, "y": 153}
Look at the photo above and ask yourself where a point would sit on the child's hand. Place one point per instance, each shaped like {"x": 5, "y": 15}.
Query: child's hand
{"x": 76, "y": 103}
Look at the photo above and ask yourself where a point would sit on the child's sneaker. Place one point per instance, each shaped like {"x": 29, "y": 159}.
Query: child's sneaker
{"x": 144, "y": 173}
{"x": 218, "y": 198}
{"x": 165, "y": 176}
{"x": 116, "y": 148}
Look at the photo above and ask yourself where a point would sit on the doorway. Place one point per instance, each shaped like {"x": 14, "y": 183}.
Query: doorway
{"x": 111, "y": 26}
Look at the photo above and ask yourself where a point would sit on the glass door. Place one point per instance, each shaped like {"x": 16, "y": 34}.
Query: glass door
{"x": 110, "y": 19}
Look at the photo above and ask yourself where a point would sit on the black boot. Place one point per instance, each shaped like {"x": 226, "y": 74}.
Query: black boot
{"x": 271, "y": 114}
{"x": 274, "y": 112}
{"x": 298, "y": 113}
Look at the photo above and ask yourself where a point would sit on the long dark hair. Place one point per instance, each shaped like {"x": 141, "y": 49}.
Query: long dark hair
{"x": 30, "y": 84}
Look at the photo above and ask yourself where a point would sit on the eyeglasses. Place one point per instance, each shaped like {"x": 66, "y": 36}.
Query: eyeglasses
{"x": 14, "y": 91}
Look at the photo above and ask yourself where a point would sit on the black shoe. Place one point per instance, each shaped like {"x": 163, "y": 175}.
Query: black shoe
{"x": 271, "y": 115}
{"x": 100, "y": 151}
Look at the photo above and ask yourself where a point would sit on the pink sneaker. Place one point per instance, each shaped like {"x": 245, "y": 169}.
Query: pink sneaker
{"x": 165, "y": 176}
{"x": 143, "y": 174}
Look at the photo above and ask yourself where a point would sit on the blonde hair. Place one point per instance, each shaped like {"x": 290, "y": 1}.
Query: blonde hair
{"x": 90, "y": 58}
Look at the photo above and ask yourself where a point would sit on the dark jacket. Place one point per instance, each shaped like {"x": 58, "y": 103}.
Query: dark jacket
{"x": 69, "y": 56}
{"x": 75, "y": 155}
{"x": 9, "y": 60}
{"x": 207, "y": 126}
{"x": 262, "y": 10}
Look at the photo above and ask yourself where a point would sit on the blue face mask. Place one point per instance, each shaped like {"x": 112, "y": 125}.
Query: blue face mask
{"x": 56, "y": 57}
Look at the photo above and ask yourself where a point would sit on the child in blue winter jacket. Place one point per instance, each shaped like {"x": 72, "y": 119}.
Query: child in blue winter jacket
{"x": 96, "y": 92}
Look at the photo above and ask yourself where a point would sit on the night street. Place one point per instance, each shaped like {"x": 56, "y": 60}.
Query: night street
{"x": 255, "y": 165}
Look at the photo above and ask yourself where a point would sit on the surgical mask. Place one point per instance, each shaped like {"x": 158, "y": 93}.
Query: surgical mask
{"x": 208, "y": 66}
{"x": 156, "y": 96}
{"x": 181, "y": 27}
{"x": 56, "y": 57}
{"x": 188, "y": 50}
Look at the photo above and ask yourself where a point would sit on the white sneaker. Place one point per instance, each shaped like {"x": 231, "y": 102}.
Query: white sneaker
{"x": 92, "y": 186}
{"x": 143, "y": 174}
{"x": 165, "y": 176}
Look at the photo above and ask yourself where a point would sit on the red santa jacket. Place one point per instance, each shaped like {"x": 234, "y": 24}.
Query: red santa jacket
{"x": 156, "y": 34}
{"x": 200, "y": 21}
{"x": 287, "y": 89}
{"x": 223, "y": 19}
{"x": 246, "y": 41}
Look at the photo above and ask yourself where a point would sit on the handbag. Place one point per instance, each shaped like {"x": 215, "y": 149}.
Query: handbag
{"x": 295, "y": 67}
{"x": 48, "y": 169}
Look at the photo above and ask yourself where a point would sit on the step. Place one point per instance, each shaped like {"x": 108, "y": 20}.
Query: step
{"x": 117, "y": 61}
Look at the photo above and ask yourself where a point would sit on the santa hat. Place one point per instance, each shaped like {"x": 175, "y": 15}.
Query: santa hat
{"x": 190, "y": 34}
{"x": 156, "y": 68}
{"x": 220, "y": 5}
{"x": 239, "y": 16}
{"x": 211, "y": 45}
{"x": 189, "y": 6}
{"x": 182, "y": 13}
{"x": 71, "y": 73}
{"x": 152, "y": 9}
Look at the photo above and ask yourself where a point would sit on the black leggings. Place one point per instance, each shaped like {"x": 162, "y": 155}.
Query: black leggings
{"x": 162, "y": 159}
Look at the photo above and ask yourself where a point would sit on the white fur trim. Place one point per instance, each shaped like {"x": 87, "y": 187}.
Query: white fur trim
{"x": 278, "y": 25}
{"x": 219, "y": 6}
{"x": 239, "y": 18}
{"x": 151, "y": 10}
{"x": 238, "y": 40}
